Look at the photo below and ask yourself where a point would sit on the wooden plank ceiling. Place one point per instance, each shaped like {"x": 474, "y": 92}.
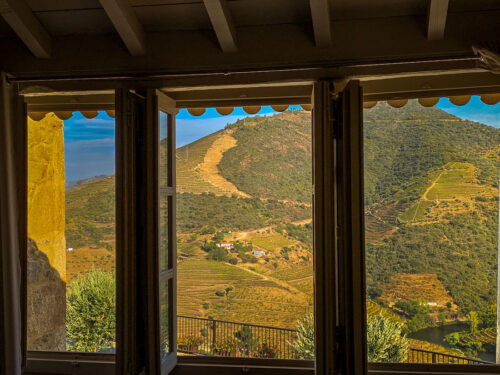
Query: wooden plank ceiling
{"x": 35, "y": 21}
{"x": 201, "y": 35}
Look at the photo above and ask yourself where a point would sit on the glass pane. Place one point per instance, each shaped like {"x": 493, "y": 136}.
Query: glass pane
{"x": 165, "y": 339}
{"x": 431, "y": 219}
{"x": 71, "y": 230}
{"x": 244, "y": 230}
{"x": 163, "y": 195}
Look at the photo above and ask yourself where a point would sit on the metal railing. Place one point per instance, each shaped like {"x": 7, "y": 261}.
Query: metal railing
{"x": 231, "y": 339}
{"x": 203, "y": 336}
{"x": 427, "y": 356}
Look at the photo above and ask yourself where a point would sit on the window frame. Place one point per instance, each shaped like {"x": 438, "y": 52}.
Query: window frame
{"x": 416, "y": 87}
{"x": 381, "y": 88}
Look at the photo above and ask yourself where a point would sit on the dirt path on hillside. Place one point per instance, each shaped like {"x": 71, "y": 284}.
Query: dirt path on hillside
{"x": 208, "y": 168}
{"x": 424, "y": 197}
{"x": 302, "y": 222}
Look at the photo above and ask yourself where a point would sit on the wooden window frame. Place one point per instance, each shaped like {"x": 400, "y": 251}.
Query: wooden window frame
{"x": 383, "y": 89}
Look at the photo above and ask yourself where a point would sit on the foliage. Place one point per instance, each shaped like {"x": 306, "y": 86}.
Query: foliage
{"x": 303, "y": 233}
{"x": 272, "y": 158}
{"x": 189, "y": 341}
{"x": 246, "y": 341}
{"x": 385, "y": 342}
{"x": 418, "y": 311}
{"x": 488, "y": 318}
{"x": 227, "y": 345}
{"x": 473, "y": 319}
{"x": 218, "y": 253}
{"x": 265, "y": 350}
{"x": 220, "y": 293}
{"x": 465, "y": 262}
{"x": 198, "y": 211}
{"x": 91, "y": 312}
{"x": 303, "y": 345}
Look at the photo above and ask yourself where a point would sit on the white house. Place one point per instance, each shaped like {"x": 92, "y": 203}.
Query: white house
{"x": 226, "y": 245}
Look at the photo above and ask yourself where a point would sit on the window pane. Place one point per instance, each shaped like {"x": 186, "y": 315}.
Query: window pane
{"x": 244, "y": 229}
{"x": 71, "y": 230}
{"x": 163, "y": 196}
{"x": 431, "y": 219}
{"x": 165, "y": 346}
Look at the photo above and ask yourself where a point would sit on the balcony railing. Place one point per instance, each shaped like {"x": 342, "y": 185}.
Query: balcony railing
{"x": 201, "y": 336}
{"x": 426, "y": 356}
{"x": 219, "y": 337}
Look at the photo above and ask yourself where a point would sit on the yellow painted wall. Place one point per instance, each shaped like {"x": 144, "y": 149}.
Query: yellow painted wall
{"x": 46, "y": 189}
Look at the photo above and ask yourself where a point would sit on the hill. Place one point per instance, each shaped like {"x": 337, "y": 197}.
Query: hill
{"x": 431, "y": 203}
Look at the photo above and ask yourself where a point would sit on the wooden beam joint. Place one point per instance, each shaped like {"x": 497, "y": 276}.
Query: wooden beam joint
{"x": 320, "y": 14}
{"x": 222, "y": 22}
{"x": 436, "y": 19}
{"x": 21, "y": 19}
{"x": 127, "y": 25}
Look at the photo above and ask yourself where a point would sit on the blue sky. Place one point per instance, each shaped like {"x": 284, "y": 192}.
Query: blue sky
{"x": 90, "y": 148}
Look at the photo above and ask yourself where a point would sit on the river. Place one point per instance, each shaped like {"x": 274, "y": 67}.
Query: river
{"x": 436, "y": 335}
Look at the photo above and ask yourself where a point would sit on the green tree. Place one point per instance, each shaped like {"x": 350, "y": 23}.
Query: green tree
{"x": 385, "y": 341}
{"x": 246, "y": 341}
{"x": 303, "y": 346}
{"x": 473, "y": 318}
{"x": 219, "y": 237}
{"x": 91, "y": 312}
{"x": 218, "y": 253}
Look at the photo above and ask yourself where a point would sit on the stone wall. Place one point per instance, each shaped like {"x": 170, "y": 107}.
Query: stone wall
{"x": 46, "y": 243}
{"x": 46, "y": 189}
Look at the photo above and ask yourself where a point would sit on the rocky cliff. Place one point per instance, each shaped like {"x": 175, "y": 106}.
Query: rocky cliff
{"x": 46, "y": 303}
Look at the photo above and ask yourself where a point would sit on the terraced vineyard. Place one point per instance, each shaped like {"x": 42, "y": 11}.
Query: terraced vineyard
{"x": 189, "y": 159}
{"x": 295, "y": 273}
{"x": 486, "y": 336}
{"x": 253, "y": 299}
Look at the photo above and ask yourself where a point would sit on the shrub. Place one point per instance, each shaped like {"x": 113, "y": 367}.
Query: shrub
{"x": 91, "y": 312}
{"x": 220, "y": 293}
{"x": 229, "y": 288}
{"x": 189, "y": 341}
{"x": 218, "y": 253}
{"x": 227, "y": 345}
{"x": 206, "y": 305}
{"x": 385, "y": 342}
{"x": 246, "y": 341}
{"x": 264, "y": 350}
{"x": 233, "y": 261}
{"x": 303, "y": 346}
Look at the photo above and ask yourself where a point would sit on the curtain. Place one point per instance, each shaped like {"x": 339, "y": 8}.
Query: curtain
{"x": 11, "y": 311}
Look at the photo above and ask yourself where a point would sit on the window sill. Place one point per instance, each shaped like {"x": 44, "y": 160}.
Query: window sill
{"x": 216, "y": 365}
{"x": 69, "y": 363}
{"x": 416, "y": 369}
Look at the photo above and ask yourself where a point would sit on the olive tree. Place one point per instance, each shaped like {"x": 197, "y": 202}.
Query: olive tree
{"x": 91, "y": 312}
{"x": 303, "y": 345}
{"x": 385, "y": 342}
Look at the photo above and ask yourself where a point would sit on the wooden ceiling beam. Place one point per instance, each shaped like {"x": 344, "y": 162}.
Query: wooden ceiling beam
{"x": 222, "y": 22}
{"x": 320, "y": 13}
{"x": 126, "y": 23}
{"x": 21, "y": 19}
{"x": 436, "y": 19}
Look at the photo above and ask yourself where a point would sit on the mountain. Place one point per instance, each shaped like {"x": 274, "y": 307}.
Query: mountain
{"x": 431, "y": 201}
